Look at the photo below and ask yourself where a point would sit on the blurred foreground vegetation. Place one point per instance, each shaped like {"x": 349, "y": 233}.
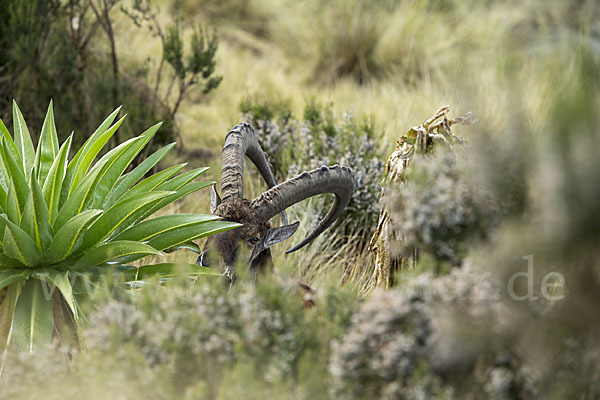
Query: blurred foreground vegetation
{"x": 524, "y": 190}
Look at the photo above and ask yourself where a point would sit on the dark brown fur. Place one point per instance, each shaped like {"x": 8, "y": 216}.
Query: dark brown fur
{"x": 227, "y": 243}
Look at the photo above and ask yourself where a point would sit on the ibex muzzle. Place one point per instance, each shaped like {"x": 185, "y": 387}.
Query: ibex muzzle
{"x": 255, "y": 215}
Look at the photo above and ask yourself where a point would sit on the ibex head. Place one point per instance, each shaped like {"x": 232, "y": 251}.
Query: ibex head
{"x": 255, "y": 215}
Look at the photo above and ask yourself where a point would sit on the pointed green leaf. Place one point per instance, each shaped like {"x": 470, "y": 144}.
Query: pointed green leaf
{"x": 112, "y": 172}
{"x": 180, "y": 180}
{"x": 47, "y": 148}
{"x": 10, "y": 276}
{"x": 17, "y": 177}
{"x": 88, "y": 156}
{"x": 79, "y": 165}
{"x": 53, "y": 184}
{"x": 120, "y": 216}
{"x": 166, "y": 270}
{"x": 8, "y": 145}
{"x": 182, "y": 192}
{"x": 146, "y": 230}
{"x": 23, "y": 140}
{"x": 12, "y": 148}
{"x": 127, "y": 181}
{"x": 67, "y": 327}
{"x": 188, "y": 233}
{"x": 74, "y": 205}
{"x": 33, "y": 321}
{"x": 84, "y": 191}
{"x": 28, "y": 220}
{"x": 90, "y": 145}
{"x": 2, "y": 199}
{"x": 35, "y": 220}
{"x": 153, "y": 181}
{"x": 3, "y": 130}
{"x": 2, "y": 232}
{"x": 7, "y": 308}
{"x": 123, "y": 149}
{"x": 4, "y": 177}
{"x": 13, "y": 208}
{"x": 61, "y": 281}
{"x": 9, "y": 246}
{"x": 5, "y": 261}
{"x": 112, "y": 251}
{"x": 18, "y": 245}
{"x": 185, "y": 246}
{"x": 65, "y": 240}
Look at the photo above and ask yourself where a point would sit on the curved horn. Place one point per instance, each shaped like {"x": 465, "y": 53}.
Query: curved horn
{"x": 239, "y": 142}
{"x": 337, "y": 180}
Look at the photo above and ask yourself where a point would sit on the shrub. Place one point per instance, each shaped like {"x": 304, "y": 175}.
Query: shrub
{"x": 62, "y": 220}
{"x": 211, "y": 339}
{"x": 413, "y": 342}
{"x": 71, "y": 375}
{"x": 193, "y": 330}
{"x": 438, "y": 209}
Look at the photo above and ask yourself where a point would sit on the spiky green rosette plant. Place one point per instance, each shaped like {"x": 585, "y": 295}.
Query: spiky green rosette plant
{"x": 60, "y": 220}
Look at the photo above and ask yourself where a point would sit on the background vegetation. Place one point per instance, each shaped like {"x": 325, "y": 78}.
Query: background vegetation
{"x": 526, "y": 183}
{"x": 69, "y": 52}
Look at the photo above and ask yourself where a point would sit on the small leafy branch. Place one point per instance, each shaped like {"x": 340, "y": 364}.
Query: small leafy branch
{"x": 200, "y": 63}
{"x": 197, "y": 68}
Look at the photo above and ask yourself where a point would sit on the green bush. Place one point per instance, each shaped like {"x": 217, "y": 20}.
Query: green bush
{"x": 61, "y": 220}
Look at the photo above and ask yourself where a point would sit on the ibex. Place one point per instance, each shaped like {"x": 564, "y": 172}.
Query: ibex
{"x": 255, "y": 215}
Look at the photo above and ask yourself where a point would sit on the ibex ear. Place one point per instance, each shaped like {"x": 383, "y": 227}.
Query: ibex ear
{"x": 279, "y": 234}
{"x": 273, "y": 236}
{"x": 215, "y": 200}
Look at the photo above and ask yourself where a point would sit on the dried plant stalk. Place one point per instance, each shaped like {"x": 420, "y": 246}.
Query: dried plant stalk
{"x": 419, "y": 139}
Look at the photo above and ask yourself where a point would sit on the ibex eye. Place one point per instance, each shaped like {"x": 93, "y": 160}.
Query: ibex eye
{"x": 253, "y": 241}
{"x": 202, "y": 259}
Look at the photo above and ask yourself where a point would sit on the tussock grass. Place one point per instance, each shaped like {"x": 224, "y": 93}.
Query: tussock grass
{"x": 330, "y": 256}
